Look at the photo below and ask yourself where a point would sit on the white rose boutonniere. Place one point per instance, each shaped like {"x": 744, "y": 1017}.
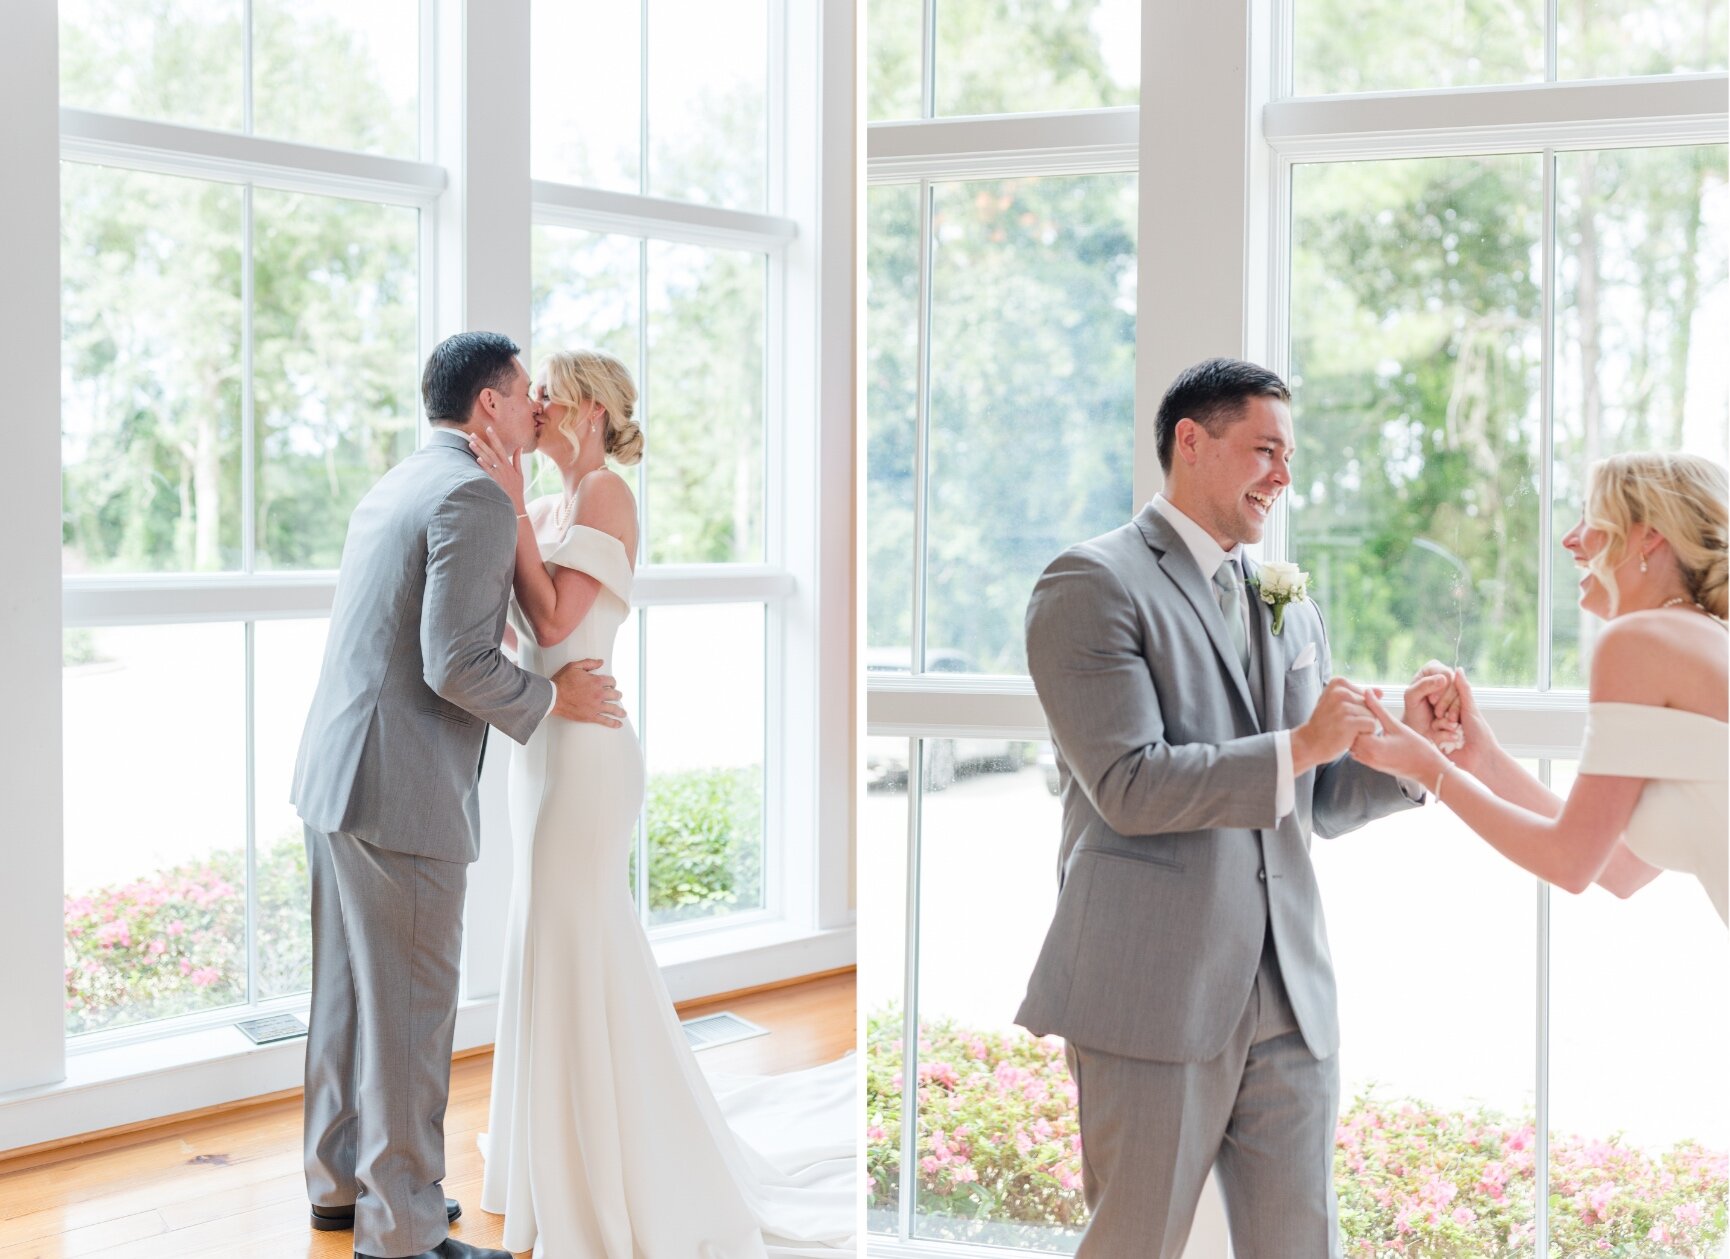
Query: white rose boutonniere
{"x": 1281, "y": 585}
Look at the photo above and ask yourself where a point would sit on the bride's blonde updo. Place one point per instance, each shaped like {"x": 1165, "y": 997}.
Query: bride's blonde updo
{"x": 1683, "y": 497}
{"x": 578, "y": 376}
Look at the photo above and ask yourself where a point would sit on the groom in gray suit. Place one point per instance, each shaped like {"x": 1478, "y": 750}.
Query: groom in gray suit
{"x": 1187, "y": 965}
{"x": 387, "y": 785}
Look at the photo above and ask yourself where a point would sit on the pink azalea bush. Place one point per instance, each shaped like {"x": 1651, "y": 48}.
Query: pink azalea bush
{"x": 999, "y": 1158}
{"x": 1000, "y": 1142}
{"x": 175, "y": 941}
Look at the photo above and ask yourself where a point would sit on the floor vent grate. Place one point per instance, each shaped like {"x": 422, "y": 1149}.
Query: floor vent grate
{"x": 719, "y": 1029}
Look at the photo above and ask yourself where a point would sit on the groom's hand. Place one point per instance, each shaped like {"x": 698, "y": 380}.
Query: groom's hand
{"x": 1432, "y": 707}
{"x": 584, "y": 695}
{"x": 1340, "y": 716}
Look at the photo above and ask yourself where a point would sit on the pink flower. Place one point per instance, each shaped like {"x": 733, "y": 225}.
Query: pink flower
{"x": 204, "y": 976}
{"x": 1689, "y": 1213}
{"x": 1464, "y": 1216}
{"x": 875, "y": 1133}
{"x": 1599, "y": 1199}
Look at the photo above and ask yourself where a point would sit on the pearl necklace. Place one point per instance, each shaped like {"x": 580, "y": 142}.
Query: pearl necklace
{"x": 1693, "y": 603}
{"x": 563, "y": 512}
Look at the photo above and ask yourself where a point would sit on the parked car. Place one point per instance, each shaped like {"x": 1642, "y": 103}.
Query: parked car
{"x": 945, "y": 759}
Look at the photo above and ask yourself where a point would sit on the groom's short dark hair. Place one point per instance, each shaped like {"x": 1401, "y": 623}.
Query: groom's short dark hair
{"x": 1212, "y": 393}
{"x": 460, "y": 367}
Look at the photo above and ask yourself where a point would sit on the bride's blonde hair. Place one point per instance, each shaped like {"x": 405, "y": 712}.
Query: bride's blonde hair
{"x": 578, "y": 376}
{"x": 1683, "y": 497}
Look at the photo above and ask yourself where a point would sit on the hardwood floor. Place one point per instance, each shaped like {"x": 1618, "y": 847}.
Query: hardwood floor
{"x": 230, "y": 1183}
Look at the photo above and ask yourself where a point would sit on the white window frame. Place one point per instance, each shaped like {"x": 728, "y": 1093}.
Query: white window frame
{"x": 478, "y": 204}
{"x": 1221, "y": 73}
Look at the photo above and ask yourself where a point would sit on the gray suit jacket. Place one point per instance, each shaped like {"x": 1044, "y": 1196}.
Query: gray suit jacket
{"x": 1172, "y": 865}
{"x": 412, "y": 673}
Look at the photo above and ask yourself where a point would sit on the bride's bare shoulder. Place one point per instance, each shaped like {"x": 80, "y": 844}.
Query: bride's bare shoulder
{"x": 1666, "y": 658}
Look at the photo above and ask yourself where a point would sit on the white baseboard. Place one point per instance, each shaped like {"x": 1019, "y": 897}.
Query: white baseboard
{"x": 152, "y": 1079}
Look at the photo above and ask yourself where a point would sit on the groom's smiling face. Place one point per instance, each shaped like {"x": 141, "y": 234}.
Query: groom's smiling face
{"x": 1232, "y": 480}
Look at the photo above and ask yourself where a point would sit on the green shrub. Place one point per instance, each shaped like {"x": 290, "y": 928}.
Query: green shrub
{"x": 705, "y": 842}
{"x": 1000, "y": 1160}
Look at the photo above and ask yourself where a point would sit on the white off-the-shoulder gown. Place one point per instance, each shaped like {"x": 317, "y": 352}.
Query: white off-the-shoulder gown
{"x": 1682, "y": 819}
{"x": 605, "y": 1139}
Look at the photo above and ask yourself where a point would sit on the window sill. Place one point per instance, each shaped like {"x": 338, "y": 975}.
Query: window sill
{"x": 215, "y": 1066}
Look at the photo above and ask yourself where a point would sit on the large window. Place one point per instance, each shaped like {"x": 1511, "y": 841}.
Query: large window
{"x": 1001, "y": 298}
{"x": 270, "y": 213}
{"x": 240, "y": 354}
{"x": 1474, "y": 294}
{"x": 688, "y": 298}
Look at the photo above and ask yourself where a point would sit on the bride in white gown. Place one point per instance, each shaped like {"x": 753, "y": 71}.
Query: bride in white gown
{"x": 605, "y": 1140}
{"x": 1651, "y": 793}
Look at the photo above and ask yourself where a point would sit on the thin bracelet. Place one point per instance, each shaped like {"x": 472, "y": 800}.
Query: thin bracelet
{"x": 1437, "y": 791}
{"x": 522, "y": 515}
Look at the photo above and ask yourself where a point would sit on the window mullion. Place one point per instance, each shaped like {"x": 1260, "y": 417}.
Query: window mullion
{"x": 250, "y": 830}
{"x": 248, "y": 452}
{"x": 1541, "y": 1145}
{"x": 246, "y": 119}
{"x": 1552, "y": 22}
{"x": 1547, "y": 429}
{"x": 907, "y": 1200}
{"x": 922, "y": 427}
{"x": 928, "y": 59}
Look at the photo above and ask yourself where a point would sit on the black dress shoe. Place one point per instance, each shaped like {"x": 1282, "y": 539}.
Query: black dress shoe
{"x": 331, "y": 1219}
{"x": 451, "y": 1248}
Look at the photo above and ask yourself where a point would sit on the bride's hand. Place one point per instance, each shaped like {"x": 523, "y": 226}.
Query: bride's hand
{"x": 502, "y": 466}
{"x": 1397, "y": 749}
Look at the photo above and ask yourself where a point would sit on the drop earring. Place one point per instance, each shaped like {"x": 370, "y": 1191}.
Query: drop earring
{"x": 1642, "y": 563}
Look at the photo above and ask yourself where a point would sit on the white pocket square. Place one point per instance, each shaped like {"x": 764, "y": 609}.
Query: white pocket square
{"x": 1306, "y": 658}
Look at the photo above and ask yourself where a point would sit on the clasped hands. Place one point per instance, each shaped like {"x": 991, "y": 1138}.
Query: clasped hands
{"x": 1438, "y": 726}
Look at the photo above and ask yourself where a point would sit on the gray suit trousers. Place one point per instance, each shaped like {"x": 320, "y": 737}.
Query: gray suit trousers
{"x": 386, "y": 952}
{"x": 1262, "y": 1113}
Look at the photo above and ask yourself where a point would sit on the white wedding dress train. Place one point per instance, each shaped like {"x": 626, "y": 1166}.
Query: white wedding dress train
{"x": 606, "y": 1140}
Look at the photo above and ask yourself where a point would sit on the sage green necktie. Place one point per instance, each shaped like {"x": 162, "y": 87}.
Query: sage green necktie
{"x": 1230, "y": 591}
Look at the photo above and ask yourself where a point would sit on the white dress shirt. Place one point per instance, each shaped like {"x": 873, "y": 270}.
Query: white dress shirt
{"x": 1208, "y": 556}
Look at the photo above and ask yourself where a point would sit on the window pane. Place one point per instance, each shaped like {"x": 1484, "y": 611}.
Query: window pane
{"x": 1018, "y": 56}
{"x": 708, "y": 110}
{"x": 882, "y": 882}
{"x": 336, "y": 369}
{"x": 155, "y": 822}
{"x": 286, "y": 660}
{"x": 1607, "y": 39}
{"x": 585, "y": 91}
{"x": 339, "y": 74}
{"x": 150, "y": 412}
{"x": 1415, "y": 314}
{"x": 892, "y": 52}
{"x": 891, "y": 409}
{"x": 1387, "y": 45}
{"x": 999, "y": 1134}
{"x": 703, "y": 408}
{"x": 1032, "y": 369}
{"x": 1642, "y": 318}
{"x": 587, "y": 294}
{"x": 1639, "y": 1099}
{"x": 1438, "y": 1040}
{"x": 703, "y": 728}
{"x": 178, "y": 62}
